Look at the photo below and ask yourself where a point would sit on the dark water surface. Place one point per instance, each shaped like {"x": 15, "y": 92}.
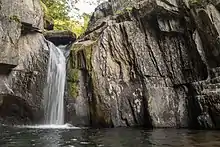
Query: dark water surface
{"x": 126, "y": 137}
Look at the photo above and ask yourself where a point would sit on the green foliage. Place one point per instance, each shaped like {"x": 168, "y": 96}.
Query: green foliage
{"x": 73, "y": 25}
{"x": 44, "y": 8}
{"x": 59, "y": 10}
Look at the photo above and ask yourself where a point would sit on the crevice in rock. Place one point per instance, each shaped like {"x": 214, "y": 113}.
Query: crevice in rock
{"x": 5, "y": 69}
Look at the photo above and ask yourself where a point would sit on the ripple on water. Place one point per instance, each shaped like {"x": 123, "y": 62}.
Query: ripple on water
{"x": 74, "y": 139}
{"x": 85, "y": 143}
{"x": 120, "y": 137}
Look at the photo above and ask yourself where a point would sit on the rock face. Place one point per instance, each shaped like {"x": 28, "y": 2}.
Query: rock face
{"x": 152, "y": 63}
{"x": 23, "y": 61}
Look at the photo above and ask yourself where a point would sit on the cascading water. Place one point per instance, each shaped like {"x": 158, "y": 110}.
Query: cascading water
{"x": 54, "y": 90}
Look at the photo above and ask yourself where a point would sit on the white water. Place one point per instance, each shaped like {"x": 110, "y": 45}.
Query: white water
{"x": 65, "y": 126}
{"x": 54, "y": 90}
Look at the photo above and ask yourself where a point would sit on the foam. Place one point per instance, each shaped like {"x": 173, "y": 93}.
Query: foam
{"x": 49, "y": 126}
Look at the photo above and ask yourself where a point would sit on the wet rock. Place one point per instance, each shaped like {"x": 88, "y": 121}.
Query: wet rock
{"x": 205, "y": 121}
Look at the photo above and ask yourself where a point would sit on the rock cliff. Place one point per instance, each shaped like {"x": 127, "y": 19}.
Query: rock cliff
{"x": 152, "y": 63}
{"x": 23, "y": 61}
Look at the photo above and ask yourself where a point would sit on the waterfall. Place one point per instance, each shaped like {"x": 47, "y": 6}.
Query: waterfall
{"x": 54, "y": 90}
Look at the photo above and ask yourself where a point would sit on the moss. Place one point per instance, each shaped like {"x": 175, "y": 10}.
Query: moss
{"x": 129, "y": 9}
{"x": 119, "y": 12}
{"x": 74, "y": 80}
{"x": 88, "y": 56}
{"x": 195, "y": 3}
{"x": 125, "y": 10}
{"x": 74, "y": 90}
{"x": 75, "y": 48}
{"x": 15, "y": 18}
{"x": 73, "y": 75}
{"x": 86, "y": 48}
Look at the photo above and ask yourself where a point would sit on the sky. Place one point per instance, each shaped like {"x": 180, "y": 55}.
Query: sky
{"x": 84, "y": 6}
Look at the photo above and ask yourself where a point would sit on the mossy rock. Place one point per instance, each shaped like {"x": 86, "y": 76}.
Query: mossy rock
{"x": 73, "y": 75}
{"x": 74, "y": 90}
{"x": 73, "y": 79}
{"x": 85, "y": 48}
{"x": 198, "y": 3}
{"x": 78, "y": 51}
{"x": 125, "y": 10}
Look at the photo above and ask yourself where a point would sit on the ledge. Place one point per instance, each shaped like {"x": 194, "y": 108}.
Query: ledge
{"x": 28, "y": 28}
{"x": 60, "y": 37}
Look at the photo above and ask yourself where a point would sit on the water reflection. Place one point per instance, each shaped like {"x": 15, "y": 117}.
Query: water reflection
{"x": 18, "y": 137}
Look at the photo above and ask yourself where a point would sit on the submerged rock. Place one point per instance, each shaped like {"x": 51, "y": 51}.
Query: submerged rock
{"x": 141, "y": 65}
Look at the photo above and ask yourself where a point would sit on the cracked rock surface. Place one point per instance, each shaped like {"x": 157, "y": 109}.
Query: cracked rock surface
{"x": 150, "y": 63}
{"x": 23, "y": 62}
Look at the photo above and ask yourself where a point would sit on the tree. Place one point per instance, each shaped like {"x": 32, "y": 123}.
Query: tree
{"x": 59, "y": 10}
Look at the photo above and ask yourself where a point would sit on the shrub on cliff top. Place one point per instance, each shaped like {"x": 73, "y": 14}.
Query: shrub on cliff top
{"x": 58, "y": 10}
